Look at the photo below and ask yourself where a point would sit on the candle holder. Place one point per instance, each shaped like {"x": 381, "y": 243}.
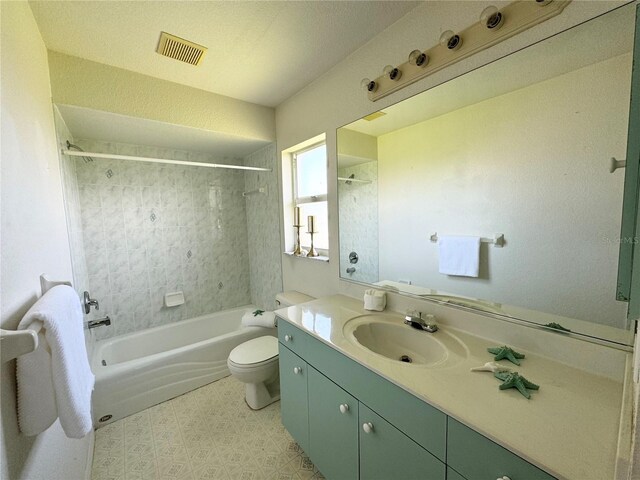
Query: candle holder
{"x": 297, "y": 250}
{"x": 311, "y": 230}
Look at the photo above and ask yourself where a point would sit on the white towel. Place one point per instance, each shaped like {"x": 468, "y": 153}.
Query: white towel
{"x": 55, "y": 380}
{"x": 253, "y": 319}
{"x": 459, "y": 255}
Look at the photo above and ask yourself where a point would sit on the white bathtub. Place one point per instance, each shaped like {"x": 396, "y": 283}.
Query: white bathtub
{"x": 141, "y": 369}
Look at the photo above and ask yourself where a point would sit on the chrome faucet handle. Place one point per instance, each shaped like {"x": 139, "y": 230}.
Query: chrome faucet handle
{"x": 420, "y": 324}
{"x": 89, "y": 302}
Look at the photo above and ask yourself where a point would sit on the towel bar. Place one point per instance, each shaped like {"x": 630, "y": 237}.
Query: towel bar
{"x": 14, "y": 343}
{"x": 497, "y": 240}
{"x": 18, "y": 342}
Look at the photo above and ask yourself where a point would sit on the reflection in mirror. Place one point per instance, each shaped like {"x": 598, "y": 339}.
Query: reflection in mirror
{"x": 520, "y": 147}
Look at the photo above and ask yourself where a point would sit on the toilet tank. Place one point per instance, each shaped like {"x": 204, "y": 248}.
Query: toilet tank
{"x": 291, "y": 297}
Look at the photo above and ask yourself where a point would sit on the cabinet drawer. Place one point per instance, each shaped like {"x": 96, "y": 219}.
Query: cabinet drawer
{"x": 293, "y": 338}
{"x": 478, "y": 458}
{"x": 423, "y": 423}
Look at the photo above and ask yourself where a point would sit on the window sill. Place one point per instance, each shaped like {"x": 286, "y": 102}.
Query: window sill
{"x": 320, "y": 258}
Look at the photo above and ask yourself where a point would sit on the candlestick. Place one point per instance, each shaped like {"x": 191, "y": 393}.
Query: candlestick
{"x": 296, "y": 215}
{"x": 311, "y": 230}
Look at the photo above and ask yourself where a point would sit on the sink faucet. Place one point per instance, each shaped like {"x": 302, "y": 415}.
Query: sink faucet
{"x": 419, "y": 323}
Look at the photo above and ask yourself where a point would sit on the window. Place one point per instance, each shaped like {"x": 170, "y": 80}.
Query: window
{"x": 309, "y": 175}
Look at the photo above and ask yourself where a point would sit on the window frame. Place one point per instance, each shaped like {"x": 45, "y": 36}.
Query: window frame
{"x": 324, "y": 197}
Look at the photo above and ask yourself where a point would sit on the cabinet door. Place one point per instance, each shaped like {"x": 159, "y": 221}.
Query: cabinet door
{"x": 478, "y": 458}
{"x": 386, "y": 452}
{"x": 333, "y": 428}
{"x": 293, "y": 396}
{"x": 453, "y": 475}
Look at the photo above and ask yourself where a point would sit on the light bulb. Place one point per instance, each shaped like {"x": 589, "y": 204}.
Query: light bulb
{"x": 392, "y": 72}
{"x": 491, "y": 18}
{"x": 368, "y": 85}
{"x": 418, "y": 58}
{"x": 450, "y": 40}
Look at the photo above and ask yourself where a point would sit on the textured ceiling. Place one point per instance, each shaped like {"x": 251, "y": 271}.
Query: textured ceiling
{"x": 261, "y": 52}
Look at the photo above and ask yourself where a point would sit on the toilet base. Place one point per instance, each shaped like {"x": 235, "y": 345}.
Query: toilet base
{"x": 259, "y": 395}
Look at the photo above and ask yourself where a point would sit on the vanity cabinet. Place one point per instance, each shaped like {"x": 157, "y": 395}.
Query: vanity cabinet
{"x": 353, "y": 423}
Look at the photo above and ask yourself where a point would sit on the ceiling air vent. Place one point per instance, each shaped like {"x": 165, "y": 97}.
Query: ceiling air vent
{"x": 180, "y": 49}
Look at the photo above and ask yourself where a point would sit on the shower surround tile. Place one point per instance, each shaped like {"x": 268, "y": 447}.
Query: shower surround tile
{"x": 150, "y": 229}
{"x": 358, "y": 204}
{"x": 208, "y": 433}
{"x": 263, "y": 229}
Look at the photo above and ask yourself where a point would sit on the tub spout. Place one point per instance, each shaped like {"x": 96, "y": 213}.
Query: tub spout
{"x": 106, "y": 321}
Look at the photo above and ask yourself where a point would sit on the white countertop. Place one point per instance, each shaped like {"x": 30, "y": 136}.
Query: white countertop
{"x": 570, "y": 427}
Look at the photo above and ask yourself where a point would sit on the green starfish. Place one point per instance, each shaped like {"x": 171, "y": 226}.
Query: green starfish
{"x": 515, "y": 380}
{"x": 506, "y": 352}
{"x": 258, "y": 312}
{"x": 557, "y": 326}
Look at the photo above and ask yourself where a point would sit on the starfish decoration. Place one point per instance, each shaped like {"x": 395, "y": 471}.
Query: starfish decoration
{"x": 515, "y": 380}
{"x": 557, "y": 326}
{"x": 258, "y": 312}
{"x": 506, "y": 352}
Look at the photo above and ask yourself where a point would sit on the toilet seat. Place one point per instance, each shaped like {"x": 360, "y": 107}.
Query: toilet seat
{"x": 255, "y": 352}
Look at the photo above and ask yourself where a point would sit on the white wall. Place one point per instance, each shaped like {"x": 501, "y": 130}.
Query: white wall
{"x": 33, "y": 232}
{"x": 505, "y": 165}
{"x": 336, "y": 98}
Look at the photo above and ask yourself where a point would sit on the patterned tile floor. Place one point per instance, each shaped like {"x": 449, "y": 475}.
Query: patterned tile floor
{"x": 209, "y": 433}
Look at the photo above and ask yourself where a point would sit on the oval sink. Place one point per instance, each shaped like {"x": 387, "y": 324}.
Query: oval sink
{"x": 387, "y": 336}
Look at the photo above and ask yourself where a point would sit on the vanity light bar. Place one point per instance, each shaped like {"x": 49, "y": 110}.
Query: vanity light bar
{"x": 74, "y": 153}
{"x": 453, "y": 47}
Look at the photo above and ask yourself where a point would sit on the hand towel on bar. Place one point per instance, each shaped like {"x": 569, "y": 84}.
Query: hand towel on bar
{"x": 459, "y": 255}
{"x": 258, "y": 318}
{"x": 55, "y": 380}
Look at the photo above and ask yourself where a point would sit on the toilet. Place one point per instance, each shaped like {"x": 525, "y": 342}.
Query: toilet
{"x": 255, "y": 362}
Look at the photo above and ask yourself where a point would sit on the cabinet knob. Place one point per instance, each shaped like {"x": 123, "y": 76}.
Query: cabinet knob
{"x": 503, "y": 478}
{"x": 367, "y": 427}
{"x": 344, "y": 408}
{"x": 297, "y": 370}
{"x": 288, "y": 338}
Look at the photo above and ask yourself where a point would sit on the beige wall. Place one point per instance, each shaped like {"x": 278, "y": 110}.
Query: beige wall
{"x": 83, "y": 83}
{"x": 336, "y": 98}
{"x": 33, "y": 232}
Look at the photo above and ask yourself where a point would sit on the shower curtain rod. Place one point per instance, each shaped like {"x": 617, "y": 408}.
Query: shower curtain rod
{"x": 73, "y": 153}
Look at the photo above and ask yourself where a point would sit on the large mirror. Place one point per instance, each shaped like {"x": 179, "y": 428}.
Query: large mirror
{"x": 517, "y": 153}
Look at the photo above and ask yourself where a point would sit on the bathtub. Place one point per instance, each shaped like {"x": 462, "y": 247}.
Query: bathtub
{"x": 138, "y": 370}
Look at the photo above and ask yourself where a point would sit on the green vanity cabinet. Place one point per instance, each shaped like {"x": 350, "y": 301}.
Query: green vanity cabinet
{"x": 333, "y": 428}
{"x": 381, "y": 431}
{"x": 478, "y": 458}
{"x": 293, "y": 396}
{"x": 453, "y": 475}
{"x": 386, "y": 452}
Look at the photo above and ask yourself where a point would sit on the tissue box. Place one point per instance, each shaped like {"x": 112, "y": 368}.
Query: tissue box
{"x": 375, "y": 300}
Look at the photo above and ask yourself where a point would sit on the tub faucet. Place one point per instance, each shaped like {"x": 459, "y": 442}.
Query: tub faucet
{"x": 419, "y": 323}
{"x": 106, "y": 321}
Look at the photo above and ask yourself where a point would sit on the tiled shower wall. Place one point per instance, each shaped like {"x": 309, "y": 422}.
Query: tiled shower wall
{"x": 150, "y": 229}
{"x": 263, "y": 228}
{"x": 358, "y": 206}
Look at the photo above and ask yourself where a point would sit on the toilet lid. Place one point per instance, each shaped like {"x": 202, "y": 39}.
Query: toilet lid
{"x": 255, "y": 351}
